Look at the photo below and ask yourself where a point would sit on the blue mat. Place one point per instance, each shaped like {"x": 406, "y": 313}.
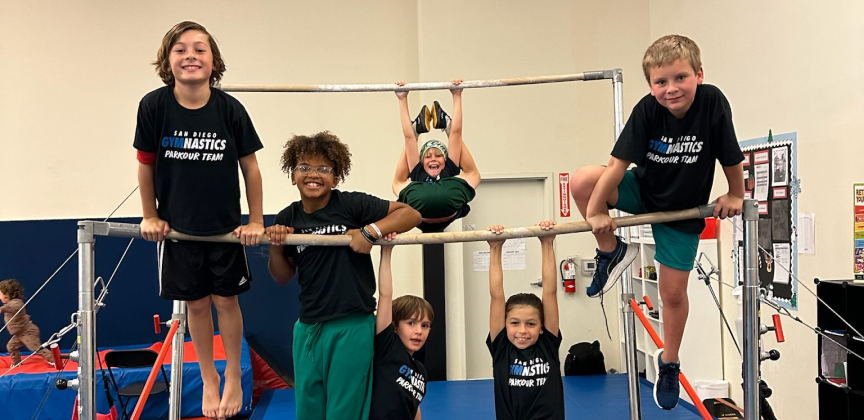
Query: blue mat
{"x": 586, "y": 397}
{"x": 21, "y": 395}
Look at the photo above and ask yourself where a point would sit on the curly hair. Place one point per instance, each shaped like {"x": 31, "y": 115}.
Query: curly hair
{"x": 324, "y": 144}
{"x": 667, "y": 50}
{"x": 12, "y": 289}
{"x": 411, "y": 307}
{"x": 525, "y": 299}
{"x": 163, "y": 67}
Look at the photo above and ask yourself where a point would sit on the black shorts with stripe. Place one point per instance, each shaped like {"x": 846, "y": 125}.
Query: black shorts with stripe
{"x": 190, "y": 270}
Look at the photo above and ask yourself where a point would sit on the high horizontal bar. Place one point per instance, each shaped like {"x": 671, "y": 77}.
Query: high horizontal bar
{"x": 392, "y": 87}
{"x": 127, "y": 230}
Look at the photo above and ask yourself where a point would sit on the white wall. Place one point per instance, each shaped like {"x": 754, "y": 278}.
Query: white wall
{"x": 789, "y": 66}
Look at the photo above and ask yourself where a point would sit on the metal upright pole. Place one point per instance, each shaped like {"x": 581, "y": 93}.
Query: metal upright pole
{"x": 176, "y": 388}
{"x": 630, "y": 361}
{"x": 618, "y": 101}
{"x": 630, "y": 347}
{"x": 751, "y": 310}
{"x": 86, "y": 322}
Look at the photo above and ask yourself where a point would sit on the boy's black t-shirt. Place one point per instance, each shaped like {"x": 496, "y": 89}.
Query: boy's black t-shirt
{"x": 334, "y": 280}
{"x": 675, "y": 157}
{"x": 528, "y": 382}
{"x": 419, "y": 174}
{"x": 197, "y": 152}
{"x": 398, "y": 381}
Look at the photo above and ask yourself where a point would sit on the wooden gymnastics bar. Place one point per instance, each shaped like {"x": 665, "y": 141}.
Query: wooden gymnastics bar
{"x": 392, "y": 87}
{"x": 129, "y": 230}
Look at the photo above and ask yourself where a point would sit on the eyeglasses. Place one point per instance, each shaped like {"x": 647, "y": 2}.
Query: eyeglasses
{"x": 322, "y": 170}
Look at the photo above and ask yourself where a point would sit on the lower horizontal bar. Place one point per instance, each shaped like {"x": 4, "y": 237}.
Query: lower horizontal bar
{"x": 128, "y": 230}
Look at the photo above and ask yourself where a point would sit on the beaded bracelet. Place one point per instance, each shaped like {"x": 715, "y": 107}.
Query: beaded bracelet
{"x": 366, "y": 235}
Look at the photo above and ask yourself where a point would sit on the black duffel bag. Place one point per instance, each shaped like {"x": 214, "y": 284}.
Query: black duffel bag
{"x": 585, "y": 359}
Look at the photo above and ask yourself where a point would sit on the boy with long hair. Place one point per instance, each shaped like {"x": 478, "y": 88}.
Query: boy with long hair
{"x": 190, "y": 138}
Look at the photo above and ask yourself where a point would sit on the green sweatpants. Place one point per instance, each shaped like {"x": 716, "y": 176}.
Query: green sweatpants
{"x": 440, "y": 199}
{"x": 333, "y": 368}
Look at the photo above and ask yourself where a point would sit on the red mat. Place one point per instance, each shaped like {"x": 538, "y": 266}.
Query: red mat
{"x": 37, "y": 364}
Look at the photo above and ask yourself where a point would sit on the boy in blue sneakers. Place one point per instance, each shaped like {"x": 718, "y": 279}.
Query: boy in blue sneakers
{"x": 674, "y": 136}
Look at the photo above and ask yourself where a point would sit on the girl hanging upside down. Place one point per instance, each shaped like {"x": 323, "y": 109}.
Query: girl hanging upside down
{"x": 438, "y": 181}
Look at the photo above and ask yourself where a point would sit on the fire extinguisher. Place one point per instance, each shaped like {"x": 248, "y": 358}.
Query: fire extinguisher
{"x": 568, "y": 275}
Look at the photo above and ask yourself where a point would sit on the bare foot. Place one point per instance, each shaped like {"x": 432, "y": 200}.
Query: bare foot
{"x": 232, "y": 398}
{"x": 210, "y": 401}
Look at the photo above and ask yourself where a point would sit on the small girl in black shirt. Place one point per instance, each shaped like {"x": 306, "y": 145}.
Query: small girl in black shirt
{"x": 524, "y": 340}
{"x": 398, "y": 381}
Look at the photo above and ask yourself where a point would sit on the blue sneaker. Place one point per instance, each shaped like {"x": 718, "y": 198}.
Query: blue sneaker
{"x": 666, "y": 384}
{"x": 610, "y": 266}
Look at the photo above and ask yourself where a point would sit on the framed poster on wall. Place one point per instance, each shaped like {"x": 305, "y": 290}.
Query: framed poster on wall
{"x": 770, "y": 177}
{"x": 858, "y": 262}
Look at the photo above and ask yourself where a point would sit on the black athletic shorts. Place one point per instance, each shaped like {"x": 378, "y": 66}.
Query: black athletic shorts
{"x": 190, "y": 270}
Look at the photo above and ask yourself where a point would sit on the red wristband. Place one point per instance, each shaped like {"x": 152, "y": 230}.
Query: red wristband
{"x": 147, "y": 158}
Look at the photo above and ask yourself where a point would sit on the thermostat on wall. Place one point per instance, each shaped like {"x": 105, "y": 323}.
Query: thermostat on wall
{"x": 588, "y": 266}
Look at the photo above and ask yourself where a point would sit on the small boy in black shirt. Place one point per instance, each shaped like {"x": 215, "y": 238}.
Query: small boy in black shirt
{"x": 398, "y": 381}
{"x": 524, "y": 340}
{"x": 674, "y": 136}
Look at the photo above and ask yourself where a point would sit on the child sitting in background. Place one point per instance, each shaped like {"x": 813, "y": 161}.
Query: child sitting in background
{"x": 24, "y": 332}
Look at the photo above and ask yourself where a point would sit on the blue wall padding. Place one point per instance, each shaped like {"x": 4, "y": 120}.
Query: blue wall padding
{"x": 32, "y": 250}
